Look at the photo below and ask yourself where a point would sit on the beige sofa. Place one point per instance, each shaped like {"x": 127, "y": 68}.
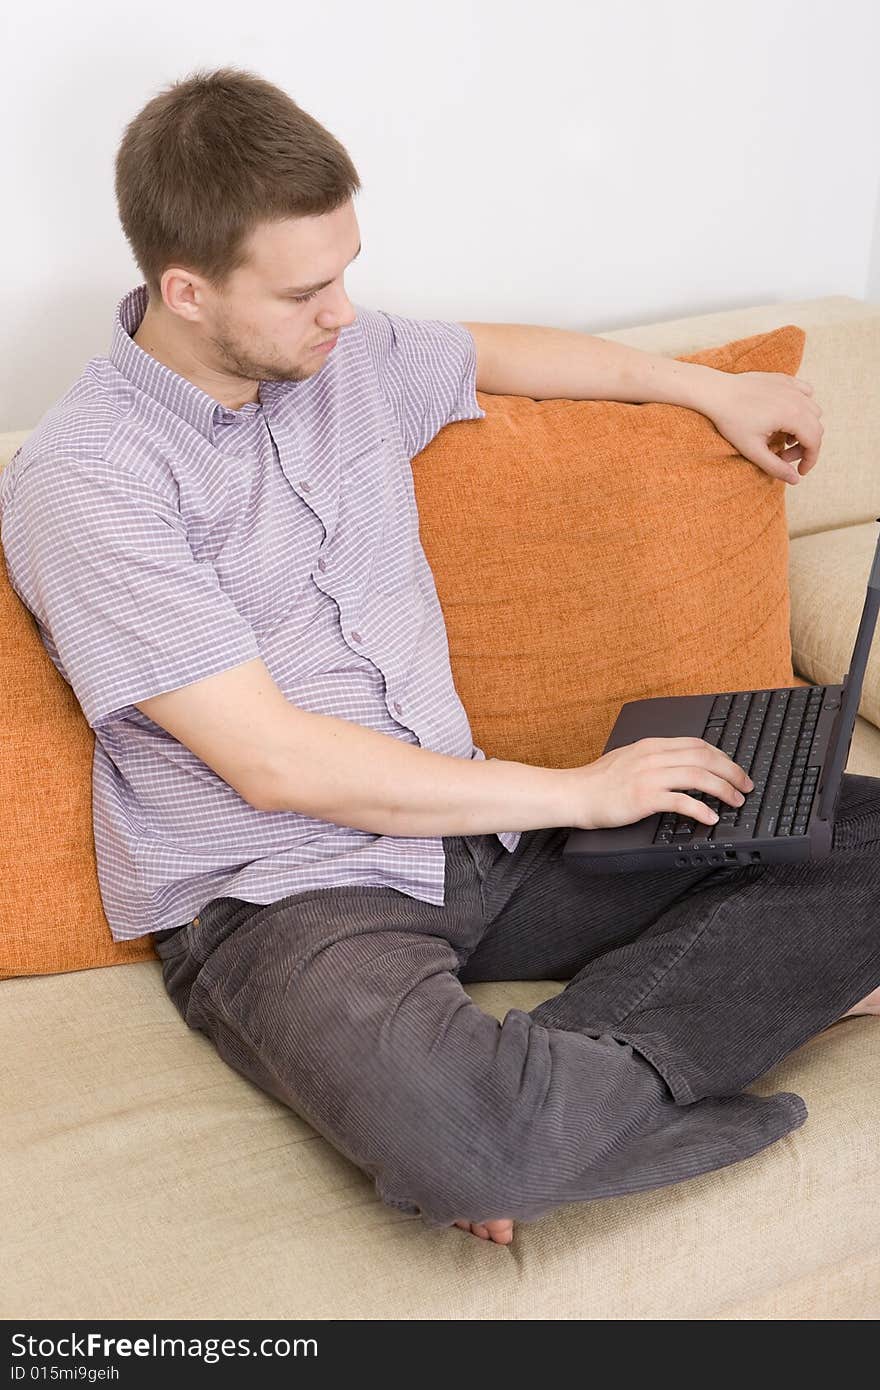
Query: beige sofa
{"x": 143, "y": 1179}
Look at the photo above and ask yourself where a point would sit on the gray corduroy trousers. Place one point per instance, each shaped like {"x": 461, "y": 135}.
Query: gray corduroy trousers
{"x": 682, "y": 988}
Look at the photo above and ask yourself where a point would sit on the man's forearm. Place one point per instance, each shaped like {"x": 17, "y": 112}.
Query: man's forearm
{"x": 341, "y": 772}
{"x": 524, "y": 359}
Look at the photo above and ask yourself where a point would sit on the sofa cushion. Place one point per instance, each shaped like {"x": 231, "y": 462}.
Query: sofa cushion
{"x": 829, "y": 571}
{"x": 51, "y": 913}
{"x": 585, "y": 552}
{"x": 143, "y": 1178}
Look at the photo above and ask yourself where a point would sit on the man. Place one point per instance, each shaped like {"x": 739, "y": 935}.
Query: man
{"x": 217, "y": 534}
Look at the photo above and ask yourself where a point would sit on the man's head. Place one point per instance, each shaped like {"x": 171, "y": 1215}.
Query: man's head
{"x": 238, "y": 206}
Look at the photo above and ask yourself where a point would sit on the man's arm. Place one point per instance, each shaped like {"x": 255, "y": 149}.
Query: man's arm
{"x": 341, "y": 772}
{"x": 747, "y": 408}
{"x": 279, "y": 757}
{"x": 522, "y": 359}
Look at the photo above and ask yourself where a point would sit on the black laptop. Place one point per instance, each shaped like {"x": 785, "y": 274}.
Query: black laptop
{"x": 793, "y": 742}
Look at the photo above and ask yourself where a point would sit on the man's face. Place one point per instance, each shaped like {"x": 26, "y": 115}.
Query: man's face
{"x": 258, "y": 329}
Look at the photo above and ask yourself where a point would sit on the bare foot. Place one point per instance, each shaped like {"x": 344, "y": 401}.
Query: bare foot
{"x": 869, "y": 1005}
{"x": 499, "y": 1231}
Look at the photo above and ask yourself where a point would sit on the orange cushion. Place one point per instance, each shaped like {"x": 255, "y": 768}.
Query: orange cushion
{"x": 585, "y": 553}
{"x": 51, "y": 914}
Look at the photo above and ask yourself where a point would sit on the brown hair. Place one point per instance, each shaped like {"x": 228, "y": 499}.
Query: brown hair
{"x": 209, "y": 159}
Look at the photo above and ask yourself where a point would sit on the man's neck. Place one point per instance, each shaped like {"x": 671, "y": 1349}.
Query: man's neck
{"x": 149, "y": 338}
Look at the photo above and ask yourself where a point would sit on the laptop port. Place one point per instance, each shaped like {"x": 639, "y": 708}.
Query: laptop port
{"x": 730, "y": 854}
{"x": 755, "y": 854}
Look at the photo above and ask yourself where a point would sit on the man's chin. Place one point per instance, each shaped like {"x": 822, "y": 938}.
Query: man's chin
{"x": 292, "y": 374}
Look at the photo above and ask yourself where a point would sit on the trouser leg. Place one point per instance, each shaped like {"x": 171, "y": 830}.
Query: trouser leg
{"x": 346, "y": 1005}
{"x": 713, "y": 985}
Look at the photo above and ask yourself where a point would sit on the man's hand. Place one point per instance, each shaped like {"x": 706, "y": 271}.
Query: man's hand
{"x": 760, "y": 412}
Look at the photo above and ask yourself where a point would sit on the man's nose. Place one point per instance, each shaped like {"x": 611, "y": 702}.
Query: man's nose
{"x": 341, "y": 311}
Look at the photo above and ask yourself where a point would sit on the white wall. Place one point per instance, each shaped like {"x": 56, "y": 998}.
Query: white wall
{"x": 587, "y": 165}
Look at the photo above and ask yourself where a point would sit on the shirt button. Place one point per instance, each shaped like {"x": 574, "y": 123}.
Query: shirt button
{"x": 322, "y": 564}
{"x": 356, "y": 637}
{"x": 398, "y": 709}
{"x": 306, "y": 487}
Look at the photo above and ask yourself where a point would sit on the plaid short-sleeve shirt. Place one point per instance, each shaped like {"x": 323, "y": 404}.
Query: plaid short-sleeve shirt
{"x": 158, "y": 538}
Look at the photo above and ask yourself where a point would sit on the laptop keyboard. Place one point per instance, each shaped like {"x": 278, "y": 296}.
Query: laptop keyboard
{"x": 769, "y": 733}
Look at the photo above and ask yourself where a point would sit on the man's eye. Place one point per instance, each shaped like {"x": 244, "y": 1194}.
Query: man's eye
{"x": 302, "y": 298}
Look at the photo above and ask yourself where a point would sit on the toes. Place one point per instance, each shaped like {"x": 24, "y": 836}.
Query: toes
{"x": 499, "y": 1231}
{"x": 473, "y": 1229}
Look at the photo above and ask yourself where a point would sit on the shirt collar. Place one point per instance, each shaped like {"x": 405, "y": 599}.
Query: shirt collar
{"x": 183, "y": 398}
